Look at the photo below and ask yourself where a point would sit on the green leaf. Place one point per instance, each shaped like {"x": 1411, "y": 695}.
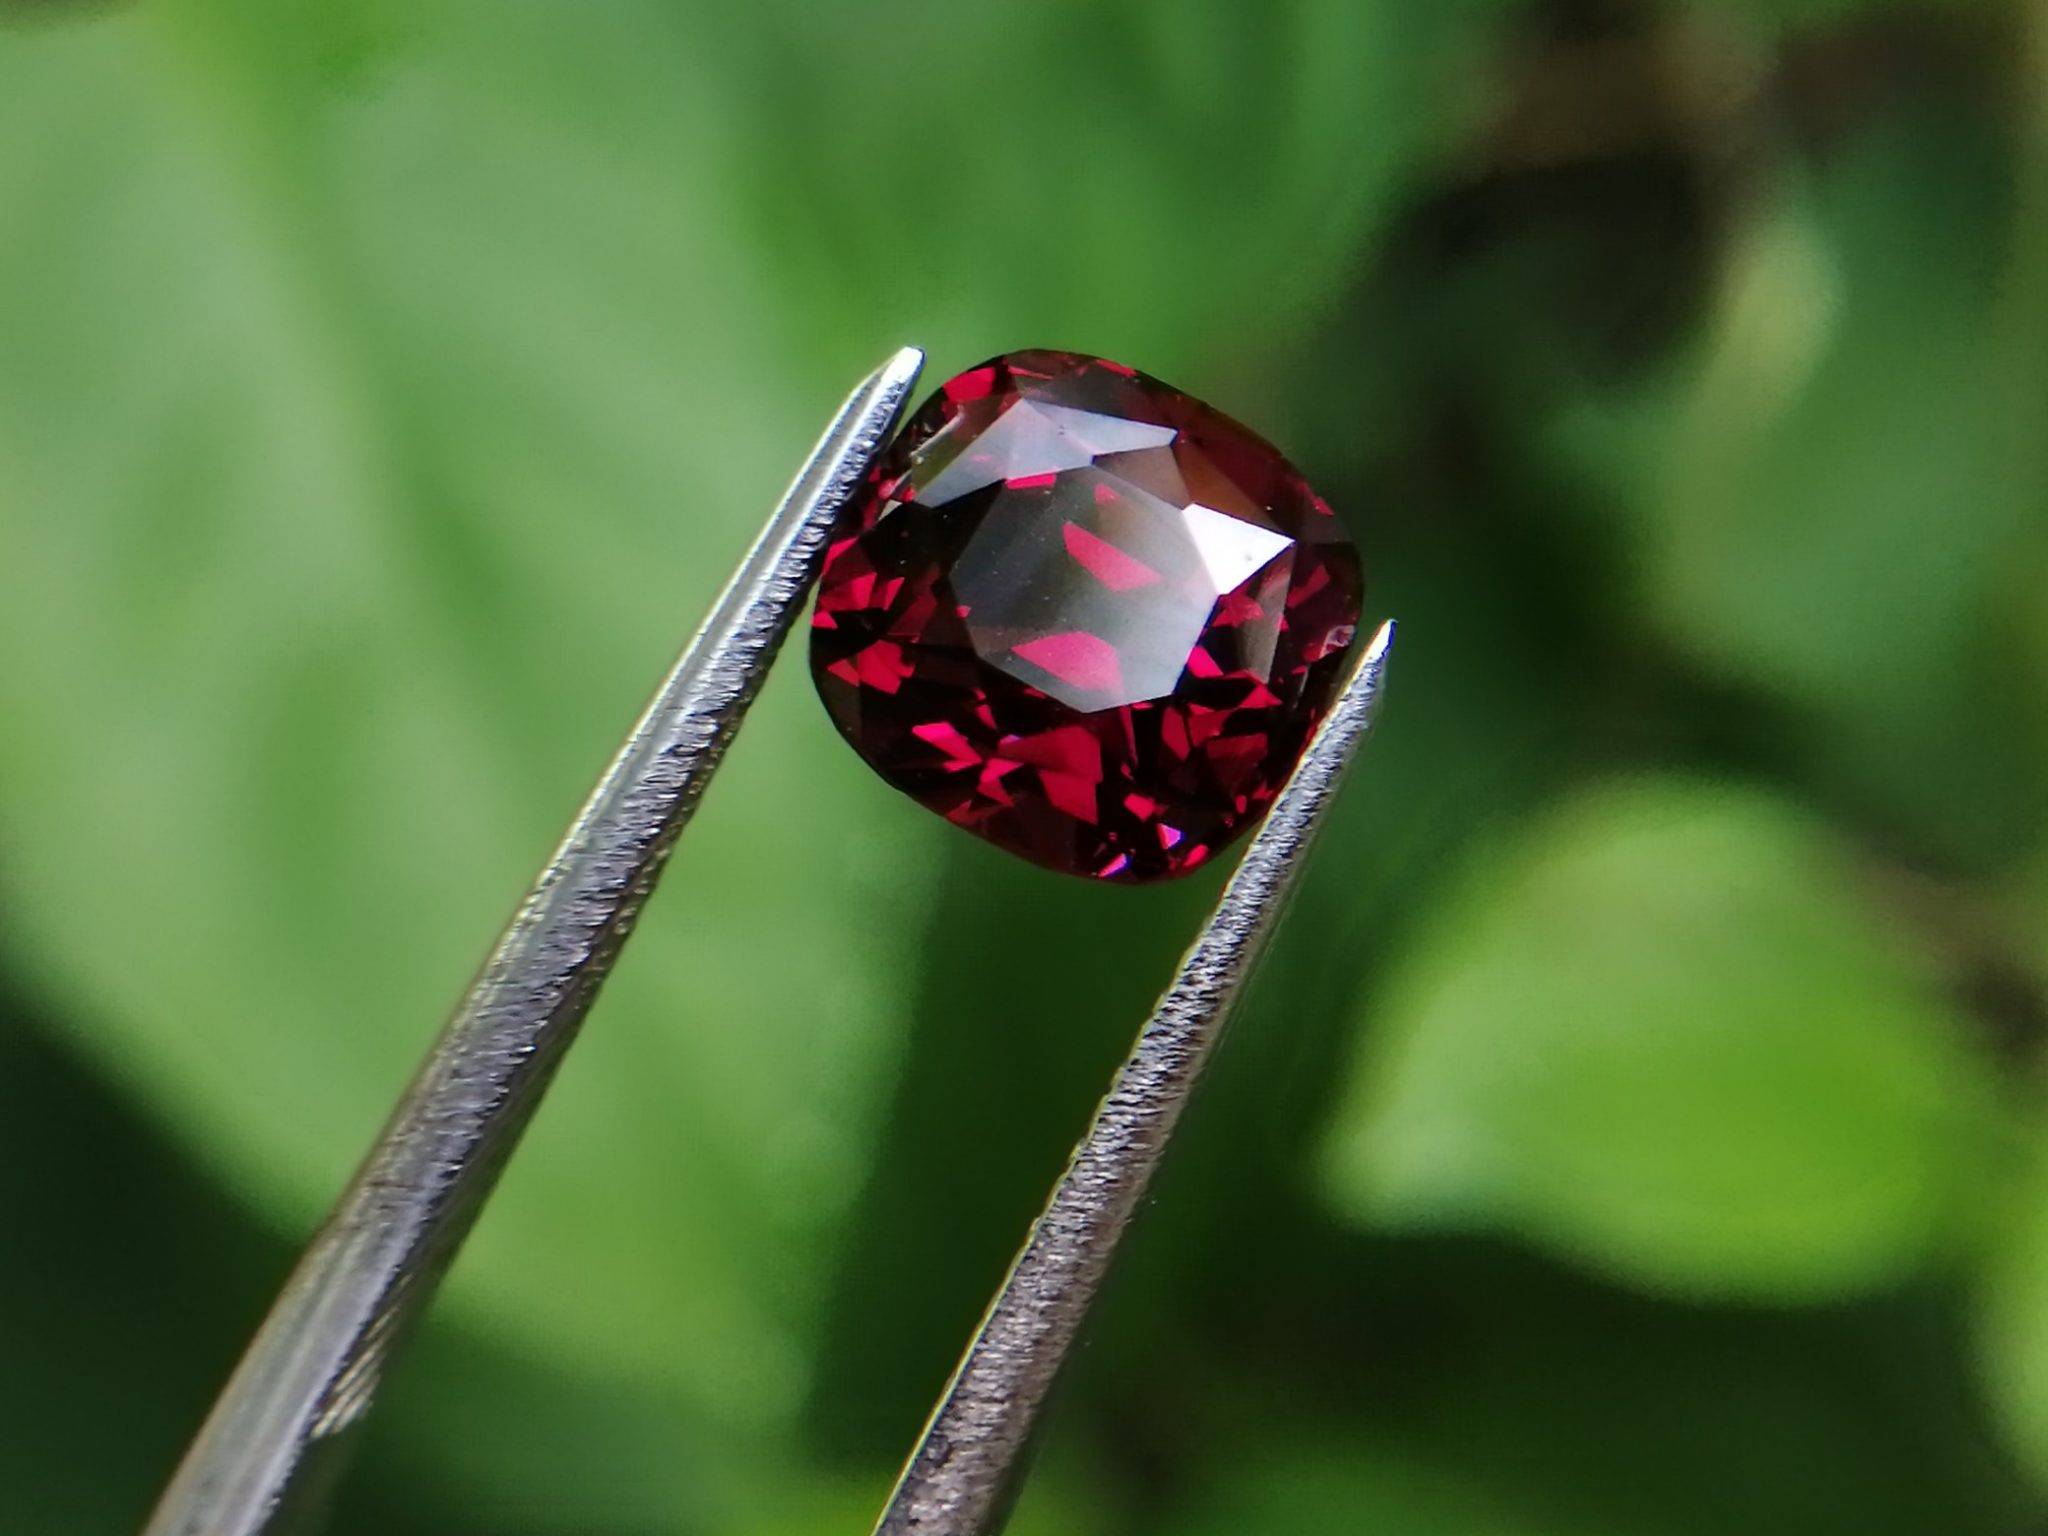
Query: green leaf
{"x": 1169, "y": 184}
{"x": 383, "y": 394}
{"x": 339, "y": 552}
{"x": 1835, "y": 491}
{"x": 1828, "y": 502}
{"x": 1666, "y": 1038}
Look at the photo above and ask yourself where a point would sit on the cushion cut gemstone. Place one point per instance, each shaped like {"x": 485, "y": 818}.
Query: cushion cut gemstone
{"x": 1084, "y": 616}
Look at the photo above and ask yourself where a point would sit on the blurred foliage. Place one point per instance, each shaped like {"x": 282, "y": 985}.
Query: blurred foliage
{"x": 1753, "y": 1095}
{"x": 1640, "y": 1126}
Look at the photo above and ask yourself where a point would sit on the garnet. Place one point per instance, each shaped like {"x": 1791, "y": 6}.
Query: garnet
{"x": 1084, "y": 616}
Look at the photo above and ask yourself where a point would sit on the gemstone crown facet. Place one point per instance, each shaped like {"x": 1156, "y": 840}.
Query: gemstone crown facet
{"x": 1084, "y": 616}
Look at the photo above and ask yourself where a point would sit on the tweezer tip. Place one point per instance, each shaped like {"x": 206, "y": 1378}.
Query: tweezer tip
{"x": 901, "y": 370}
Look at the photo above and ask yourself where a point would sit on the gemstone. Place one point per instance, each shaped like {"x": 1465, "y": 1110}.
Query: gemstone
{"x": 1084, "y": 616}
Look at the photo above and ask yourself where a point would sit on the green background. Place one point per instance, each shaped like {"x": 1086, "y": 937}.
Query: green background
{"x": 1640, "y": 1129}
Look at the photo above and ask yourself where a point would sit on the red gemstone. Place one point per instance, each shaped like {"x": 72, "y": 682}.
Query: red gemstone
{"x": 1084, "y": 616}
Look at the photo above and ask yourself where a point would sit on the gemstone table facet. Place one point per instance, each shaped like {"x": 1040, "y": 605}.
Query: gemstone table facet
{"x": 1084, "y": 616}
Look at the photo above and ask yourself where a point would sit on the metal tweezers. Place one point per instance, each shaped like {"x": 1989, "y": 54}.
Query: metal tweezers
{"x": 267, "y": 1451}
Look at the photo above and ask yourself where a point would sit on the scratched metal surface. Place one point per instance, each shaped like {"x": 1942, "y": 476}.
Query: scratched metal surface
{"x": 965, "y": 1471}
{"x": 316, "y": 1361}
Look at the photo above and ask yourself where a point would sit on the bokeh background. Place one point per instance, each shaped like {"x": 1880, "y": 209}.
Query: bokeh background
{"x": 1640, "y": 1131}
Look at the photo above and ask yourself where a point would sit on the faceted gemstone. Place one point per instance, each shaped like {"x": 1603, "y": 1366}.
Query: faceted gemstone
{"x": 1084, "y": 616}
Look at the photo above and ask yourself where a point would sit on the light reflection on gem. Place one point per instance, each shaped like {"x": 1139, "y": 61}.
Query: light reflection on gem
{"x": 1084, "y": 616}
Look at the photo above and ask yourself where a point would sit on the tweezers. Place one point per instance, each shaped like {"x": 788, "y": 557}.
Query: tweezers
{"x": 267, "y": 1452}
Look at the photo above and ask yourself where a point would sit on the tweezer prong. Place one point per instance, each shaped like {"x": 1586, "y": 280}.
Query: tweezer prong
{"x": 313, "y": 1364}
{"x": 965, "y": 1470}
